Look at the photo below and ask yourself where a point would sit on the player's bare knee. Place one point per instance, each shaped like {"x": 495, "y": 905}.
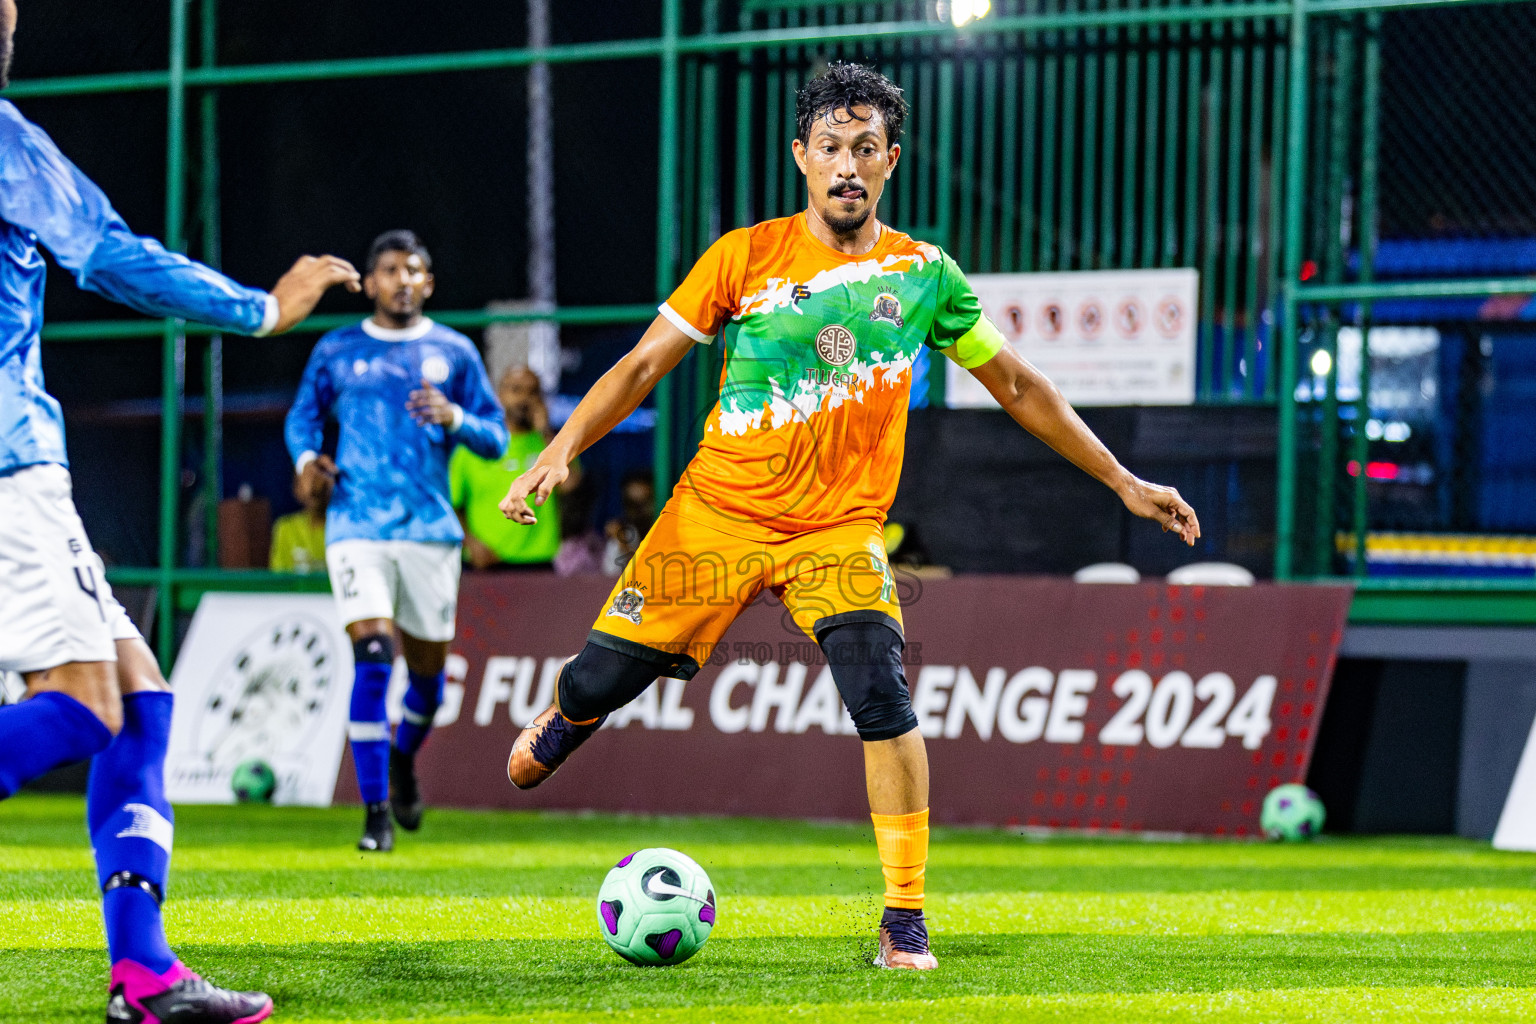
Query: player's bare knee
{"x": 137, "y": 670}
{"x": 92, "y": 683}
{"x": 424, "y": 657}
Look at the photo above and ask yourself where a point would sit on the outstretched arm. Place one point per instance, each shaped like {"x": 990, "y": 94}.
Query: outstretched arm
{"x": 1037, "y": 406}
{"x": 615, "y": 395}
{"x": 42, "y": 192}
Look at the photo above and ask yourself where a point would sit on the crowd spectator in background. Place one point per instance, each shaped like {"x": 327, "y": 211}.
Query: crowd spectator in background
{"x": 581, "y": 546}
{"x": 298, "y": 538}
{"x": 477, "y": 485}
{"x": 637, "y": 495}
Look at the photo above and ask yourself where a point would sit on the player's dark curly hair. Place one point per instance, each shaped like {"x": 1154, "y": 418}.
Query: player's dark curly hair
{"x": 399, "y": 240}
{"x": 841, "y": 88}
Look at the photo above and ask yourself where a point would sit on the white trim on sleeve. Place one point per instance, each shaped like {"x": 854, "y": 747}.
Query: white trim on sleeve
{"x": 269, "y": 318}
{"x": 458, "y": 418}
{"x": 304, "y": 459}
{"x": 676, "y": 319}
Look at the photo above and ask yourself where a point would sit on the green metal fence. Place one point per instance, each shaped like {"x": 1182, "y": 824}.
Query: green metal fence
{"x": 1052, "y": 134}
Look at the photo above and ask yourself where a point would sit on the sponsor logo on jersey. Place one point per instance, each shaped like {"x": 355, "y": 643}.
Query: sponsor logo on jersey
{"x": 799, "y": 293}
{"x": 887, "y": 308}
{"x": 835, "y": 344}
{"x": 627, "y": 604}
{"x": 359, "y": 366}
{"x": 435, "y": 369}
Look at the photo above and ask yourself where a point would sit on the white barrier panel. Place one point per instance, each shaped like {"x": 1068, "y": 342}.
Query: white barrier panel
{"x": 264, "y": 676}
{"x": 1517, "y": 825}
{"x": 1104, "y": 337}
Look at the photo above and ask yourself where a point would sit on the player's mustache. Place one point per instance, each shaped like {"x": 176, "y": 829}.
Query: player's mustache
{"x": 844, "y": 187}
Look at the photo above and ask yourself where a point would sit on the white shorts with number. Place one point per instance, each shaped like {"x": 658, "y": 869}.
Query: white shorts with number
{"x": 414, "y": 583}
{"x": 55, "y": 604}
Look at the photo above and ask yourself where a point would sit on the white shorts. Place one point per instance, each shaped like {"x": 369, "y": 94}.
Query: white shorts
{"x": 55, "y": 604}
{"x": 414, "y": 583}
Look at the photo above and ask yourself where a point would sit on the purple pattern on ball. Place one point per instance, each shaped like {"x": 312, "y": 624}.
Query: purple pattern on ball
{"x": 625, "y": 861}
{"x": 668, "y": 944}
{"x": 707, "y": 914}
{"x": 610, "y": 918}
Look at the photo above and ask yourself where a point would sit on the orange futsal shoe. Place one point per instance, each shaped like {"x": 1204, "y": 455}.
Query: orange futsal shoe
{"x": 544, "y": 745}
{"x": 904, "y": 941}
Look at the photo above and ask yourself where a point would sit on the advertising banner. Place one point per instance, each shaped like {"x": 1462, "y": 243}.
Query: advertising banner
{"x": 1104, "y": 337}
{"x": 1045, "y": 703}
{"x": 265, "y": 676}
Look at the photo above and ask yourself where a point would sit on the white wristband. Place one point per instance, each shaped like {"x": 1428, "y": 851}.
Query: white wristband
{"x": 304, "y": 459}
{"x": 269, "y": 318}
{"x": 458, "y": 418}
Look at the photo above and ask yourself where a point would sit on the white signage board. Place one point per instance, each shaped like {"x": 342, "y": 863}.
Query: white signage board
{"x": 1517, "y": 825}
{"x": 1104, "y": 337}
{"x": 264, "y": 676}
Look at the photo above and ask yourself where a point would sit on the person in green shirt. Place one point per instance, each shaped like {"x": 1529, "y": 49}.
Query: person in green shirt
{"x": 476, "y": 486}
{"x": 298, "y": 539}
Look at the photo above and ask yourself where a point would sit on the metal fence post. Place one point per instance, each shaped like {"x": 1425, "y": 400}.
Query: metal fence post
{"x": 1370, "y": 139}
{"x": 666, "y": 234}
{"x": 1295, "y": 171}
{"x": 174, "y": 348}
{"x": 1325, "y": 526}
{"x": 208, "y": 215}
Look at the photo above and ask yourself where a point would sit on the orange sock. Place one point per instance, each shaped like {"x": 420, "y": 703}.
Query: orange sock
{"x": 903, "y": 843}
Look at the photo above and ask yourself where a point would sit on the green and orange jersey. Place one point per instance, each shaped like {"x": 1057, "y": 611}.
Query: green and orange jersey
{"x": 819, "y": 347}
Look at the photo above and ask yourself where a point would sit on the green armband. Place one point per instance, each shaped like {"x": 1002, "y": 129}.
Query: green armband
{"x": 977, "y": 345}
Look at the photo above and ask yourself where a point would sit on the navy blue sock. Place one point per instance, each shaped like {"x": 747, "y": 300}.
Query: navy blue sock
{"x": 44, "y": 732}
{"x": 131, "y": 828}
{"x": 421, "y": 703}
{"x": 373, "y": 658}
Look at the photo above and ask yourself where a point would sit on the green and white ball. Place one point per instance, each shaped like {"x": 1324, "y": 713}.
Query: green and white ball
{"x": 1292, "y": 812}
{"x": 253, "y": 781}
{"x": 656, "y": 908}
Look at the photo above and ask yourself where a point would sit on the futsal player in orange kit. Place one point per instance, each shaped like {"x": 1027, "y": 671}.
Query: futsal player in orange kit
{"x": 821, "y": 315}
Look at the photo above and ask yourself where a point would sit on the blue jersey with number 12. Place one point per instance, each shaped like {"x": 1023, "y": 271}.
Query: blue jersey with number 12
{"x": 393, "y": 483}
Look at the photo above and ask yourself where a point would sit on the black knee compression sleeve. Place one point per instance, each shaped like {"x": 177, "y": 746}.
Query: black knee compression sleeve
{"x": 866, "y": 663}
{"x": 600, "y": 680}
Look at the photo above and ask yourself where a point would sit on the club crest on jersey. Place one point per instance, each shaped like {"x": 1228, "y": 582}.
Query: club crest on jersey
{"x": 887, "y": 308}
{"x": 835, "y": 344}
{"x": 627, "y": 604}
{"x": 435, "y": 368}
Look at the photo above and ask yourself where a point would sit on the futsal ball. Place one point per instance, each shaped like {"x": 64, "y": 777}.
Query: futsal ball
{"x": 253, "y": 782}
{"x": 1292, "y": 812}
{"x": 656, "y": 908}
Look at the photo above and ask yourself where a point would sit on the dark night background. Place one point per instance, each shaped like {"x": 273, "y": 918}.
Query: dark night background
{"x": 325, "y": 166}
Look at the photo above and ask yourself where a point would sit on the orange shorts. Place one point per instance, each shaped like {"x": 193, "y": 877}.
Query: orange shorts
{"x": 688, "y": 581}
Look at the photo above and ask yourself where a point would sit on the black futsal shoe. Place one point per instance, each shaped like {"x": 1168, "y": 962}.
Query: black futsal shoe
{"x": 404, "y": 794}
{"x": 378, "y": 830}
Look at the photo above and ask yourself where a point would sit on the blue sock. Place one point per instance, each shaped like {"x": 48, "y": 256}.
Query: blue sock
{"x": 421, "y": 703}
{"x": 130, "y": 822}
{"x": 372, "y": 658}
{"x": 44, "y": 732}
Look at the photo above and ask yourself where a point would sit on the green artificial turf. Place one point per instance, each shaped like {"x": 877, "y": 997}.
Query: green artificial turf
{"x": 486, "y": 916}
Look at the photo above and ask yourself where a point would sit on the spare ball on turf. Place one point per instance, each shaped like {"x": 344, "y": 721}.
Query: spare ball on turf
{"x": 1292, "y": 812}
{"x": 253, "y": 781}
{"x": 656, "y": 907}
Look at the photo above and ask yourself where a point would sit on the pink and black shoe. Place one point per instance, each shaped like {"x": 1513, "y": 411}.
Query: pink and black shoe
{"x": 545, "y": 744}
{"x": 140, "y": 996}
{"x": 904, "y": 941}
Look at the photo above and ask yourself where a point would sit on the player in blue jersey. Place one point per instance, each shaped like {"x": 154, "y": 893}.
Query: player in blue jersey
{"x": 93, "y": 689}
{"x": 403, "y": 391}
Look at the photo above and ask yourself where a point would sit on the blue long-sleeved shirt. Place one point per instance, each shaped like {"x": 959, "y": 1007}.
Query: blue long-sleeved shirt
{"x": 45, "y": 199}
{"x": 393, "y": 483}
